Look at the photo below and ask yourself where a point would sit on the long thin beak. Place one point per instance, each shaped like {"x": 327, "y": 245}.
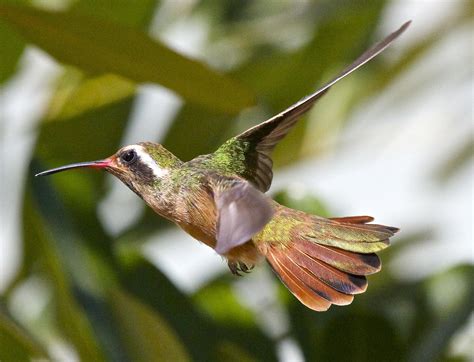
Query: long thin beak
{"x": 92, "y": 164}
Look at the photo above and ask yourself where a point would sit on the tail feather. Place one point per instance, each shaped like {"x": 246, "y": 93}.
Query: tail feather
{"x": 326, "y": 260}
{"x": 300, "y": 290}
{"x": 353, "y": 219}
{"x": 357, "y": 247}
{"x": 317, "y": 285}
{"x": 346, "y": 261}
{"x": 336, "y": 279}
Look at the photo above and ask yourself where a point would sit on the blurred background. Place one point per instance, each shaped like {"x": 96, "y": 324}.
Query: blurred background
{"x": 88, "y": 273}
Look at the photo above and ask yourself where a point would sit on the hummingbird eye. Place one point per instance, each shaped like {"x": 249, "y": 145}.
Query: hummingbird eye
{"x": 128, "y": 156}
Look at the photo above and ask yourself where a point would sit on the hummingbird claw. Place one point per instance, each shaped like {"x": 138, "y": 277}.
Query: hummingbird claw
{"x": 237, "y": 267}
{"x": 234, "y": 268}
{"x": 243, "y": 267}
{"x": 246, "y": 269}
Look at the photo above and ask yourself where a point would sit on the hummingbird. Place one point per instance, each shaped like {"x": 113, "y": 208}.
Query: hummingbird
{"x": 219, "y": 199}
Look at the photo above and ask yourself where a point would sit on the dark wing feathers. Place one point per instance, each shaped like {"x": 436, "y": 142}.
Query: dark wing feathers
{"x": 258, "y": 142}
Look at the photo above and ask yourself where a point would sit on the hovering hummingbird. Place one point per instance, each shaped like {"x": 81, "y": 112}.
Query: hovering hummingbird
{"x": 220, "y": 200}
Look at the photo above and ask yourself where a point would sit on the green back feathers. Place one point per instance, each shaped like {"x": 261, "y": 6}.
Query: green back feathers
{"x": 231, "y": 157}
{"x": 241, "y": 157}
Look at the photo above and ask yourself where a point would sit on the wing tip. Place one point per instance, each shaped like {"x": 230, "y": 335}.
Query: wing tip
{"x": 405, "y": 25}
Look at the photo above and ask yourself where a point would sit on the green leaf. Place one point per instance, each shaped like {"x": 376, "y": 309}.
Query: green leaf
{"x": 69, "y": 315}
{"x": 86, "y": 136}
{"x": 221, "y": 303}
{"x": 230, "y": 352}
{"x": 370, "y": 334}
{"x": 146, "y": 335}
{"x": 16, "y": 344}
{"x": 86, "y": 120}
{"x": 101, "y": 46}
{"x": 204, "y": 339}
{"x": 70, "y": 207}
{"x": 10, "y": 51}
{"x": 460, "y": 304}
{"x": 137, "y": 13}
{"x": 150, "y": 286}
{"x": 205, "y": 127}
{"x": 101, "y": 316}
{"x": 77, "y": 95}
{"x": 349, "y": 333}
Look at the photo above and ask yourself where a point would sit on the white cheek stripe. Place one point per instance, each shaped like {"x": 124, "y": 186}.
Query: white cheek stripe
{"x": 150, "y": 162}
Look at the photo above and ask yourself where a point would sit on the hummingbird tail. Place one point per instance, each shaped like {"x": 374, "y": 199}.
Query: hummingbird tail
{"x": 329, "y": 265}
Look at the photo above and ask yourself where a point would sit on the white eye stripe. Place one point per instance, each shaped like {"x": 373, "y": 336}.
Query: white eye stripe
{"x": 150, "y": 162}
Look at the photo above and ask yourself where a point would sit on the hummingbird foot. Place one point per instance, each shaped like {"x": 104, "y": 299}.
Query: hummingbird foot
{"x": 245, "y": 268}
{"x": 237, "y": 266}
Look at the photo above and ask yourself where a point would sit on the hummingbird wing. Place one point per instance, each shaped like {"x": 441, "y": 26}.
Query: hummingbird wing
{"x": 250, "y": 151}
{"x": 242, "y": 212}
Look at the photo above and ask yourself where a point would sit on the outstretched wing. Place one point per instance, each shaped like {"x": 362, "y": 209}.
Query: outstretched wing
{"x": 242, "y": 211}
{"x": 248, "y": 154}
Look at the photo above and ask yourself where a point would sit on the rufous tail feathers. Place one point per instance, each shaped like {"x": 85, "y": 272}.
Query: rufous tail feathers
{"x": 328, "y": 263}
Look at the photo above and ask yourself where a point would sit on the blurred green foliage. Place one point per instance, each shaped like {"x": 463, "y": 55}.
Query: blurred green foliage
{"x": 108, "y": 302}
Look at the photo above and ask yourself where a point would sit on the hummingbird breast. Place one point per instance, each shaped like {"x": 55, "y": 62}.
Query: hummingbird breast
{"x": 201, "y": 224}
{"x": 187, "y": 199}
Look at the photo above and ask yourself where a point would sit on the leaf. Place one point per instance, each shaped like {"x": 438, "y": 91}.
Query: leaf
{"x": 85, "y": 136}
{"x": 77, "y": 95}
{"x": 370, "y": 334}
{"x": 10, "y": 51}
{"x": 16, "y": 344}
{"x": 221, "y": 303}
{"x": 101, "y": 46}
{"x": 436, "y": 339}
{"x": 101, "y": 315}
{"x": 92, "y": 134}
{"x": 204, "y": 126}
{"x": 345, "y": 334}
{"x": 205, "y": 340}
{"x": 69, "y": 315}
{"x": 231, "y": 352}
{"x": 147, "y": 336}
{"x": 88, "y": 136}
{"x": 137, "y": 13}
{"x": 86, "y": 120}
{"x": 79, "y": 237}
{"x": 151, "y": 287}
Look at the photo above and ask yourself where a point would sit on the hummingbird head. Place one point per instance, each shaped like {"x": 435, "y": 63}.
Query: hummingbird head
{"x": 141, "y": 167}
